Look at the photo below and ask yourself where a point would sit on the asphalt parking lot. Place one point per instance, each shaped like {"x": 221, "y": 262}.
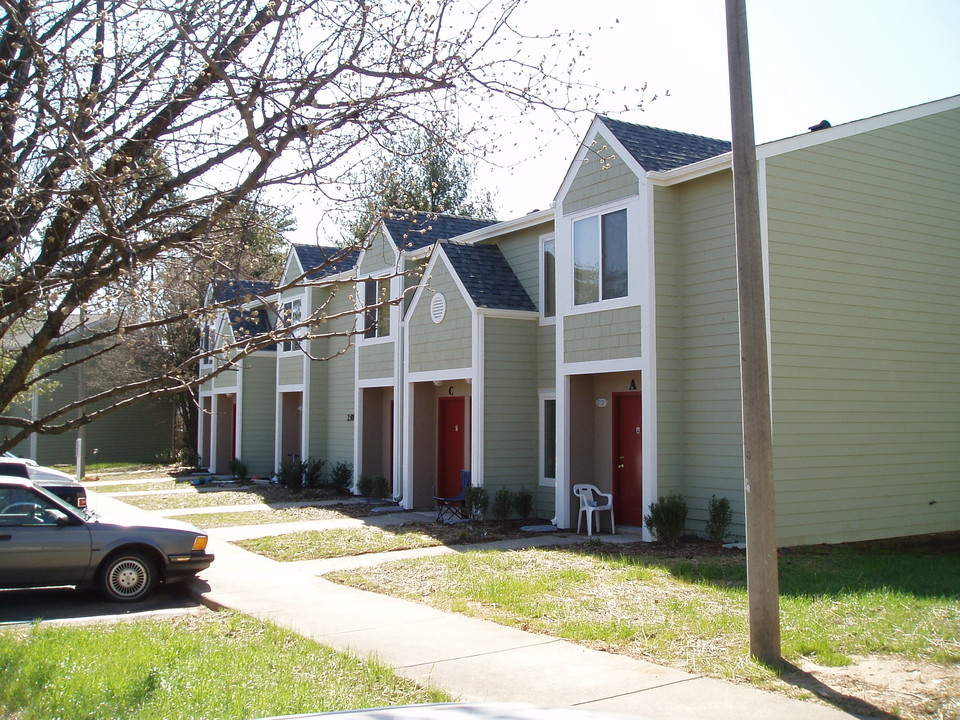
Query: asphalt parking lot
{"x": 66, "y": 605}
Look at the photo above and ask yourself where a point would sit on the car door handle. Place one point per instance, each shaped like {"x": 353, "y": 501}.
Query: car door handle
{"x": 6, "y": 537}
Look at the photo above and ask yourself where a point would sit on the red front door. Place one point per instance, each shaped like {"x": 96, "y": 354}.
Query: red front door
{"x": 627, "y": 458}
{"x": 450, "y": 445}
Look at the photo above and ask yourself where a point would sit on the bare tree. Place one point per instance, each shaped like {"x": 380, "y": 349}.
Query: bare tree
{"x": 421, "y": 171}
{"x": 131, "y": 129}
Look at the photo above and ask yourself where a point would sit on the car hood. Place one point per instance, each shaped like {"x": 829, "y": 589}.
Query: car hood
{"x": 120, "y": 520}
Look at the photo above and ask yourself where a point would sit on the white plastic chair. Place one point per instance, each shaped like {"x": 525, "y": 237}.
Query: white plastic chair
{"x": 593, "y": 501}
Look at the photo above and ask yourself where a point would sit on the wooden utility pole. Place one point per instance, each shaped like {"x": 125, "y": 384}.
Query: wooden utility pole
{"x": 763, "y": 586}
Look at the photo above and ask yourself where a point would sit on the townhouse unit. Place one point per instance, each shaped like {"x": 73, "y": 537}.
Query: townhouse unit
{"x": 597, "y": 341}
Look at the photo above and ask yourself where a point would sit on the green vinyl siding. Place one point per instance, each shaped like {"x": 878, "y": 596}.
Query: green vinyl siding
{"x": 339, "y": 390}
{"x": 258, "y": 413}
{"x": 603, "y": 335}
{"x": 447, "y": 345}
{"x": 701, "y": 336}
{"x": 227, "y": 380}
{"x": 510, "y": 405}
{"x": 522, "y": 251}
{"x": 290, "y": 370}
{"x": 601, "y": 178}
{"x": 547, "y": 357}
{"x": 376, "y": 360}
{"x": 669, "y": 380}
{"x": 865, "y": 331}
{"x": 381, "y": 254}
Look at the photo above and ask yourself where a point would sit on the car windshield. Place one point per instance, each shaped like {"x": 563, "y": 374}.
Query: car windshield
{"x": 60, "y": 504}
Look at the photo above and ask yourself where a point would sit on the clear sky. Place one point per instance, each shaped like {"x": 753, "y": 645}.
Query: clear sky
{"x": 839, "y": 60}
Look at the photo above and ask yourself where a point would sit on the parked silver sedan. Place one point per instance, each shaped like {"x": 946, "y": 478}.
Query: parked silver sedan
{"x": 46, "y": 542}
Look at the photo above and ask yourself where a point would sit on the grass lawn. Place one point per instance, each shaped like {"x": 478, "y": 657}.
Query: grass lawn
{"x": 216, "y": 665}
{"x": 321, "y": 544}
{"x": 245, "y": 495}
{"x": 688, "y": 608}
{"x": 280, "y": 515}
{"x": 105, "y": 486}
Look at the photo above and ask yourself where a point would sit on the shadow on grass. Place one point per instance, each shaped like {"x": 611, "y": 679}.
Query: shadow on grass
{"x": 925, "y": 566}
{"x": 463, "y": 533}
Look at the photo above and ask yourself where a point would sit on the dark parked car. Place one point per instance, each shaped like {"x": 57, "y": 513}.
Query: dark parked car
{"x": 45, "y": 542}
{"x": 59, "y": 483}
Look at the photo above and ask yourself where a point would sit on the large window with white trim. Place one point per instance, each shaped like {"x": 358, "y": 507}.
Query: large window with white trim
{"x": 548, "y": 280}
{"x": 600, "y": 258}
{"x": 376, "y": 299}
{"x": 290, "y": 316}
{"x": 548, "y": 439}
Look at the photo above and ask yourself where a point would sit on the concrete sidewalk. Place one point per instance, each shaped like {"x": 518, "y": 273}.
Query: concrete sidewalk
{"x": 474, "y": 660}
{"x": 477, "y": 660}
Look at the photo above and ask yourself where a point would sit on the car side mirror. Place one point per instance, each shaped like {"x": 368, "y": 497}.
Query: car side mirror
{"x": 57, "y": 516}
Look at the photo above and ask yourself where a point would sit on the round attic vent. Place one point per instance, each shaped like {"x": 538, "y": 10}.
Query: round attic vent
{"x": 438, "y": 308}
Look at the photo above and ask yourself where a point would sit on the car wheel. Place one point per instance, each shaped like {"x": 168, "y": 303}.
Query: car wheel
{"x": 128, "y": 576}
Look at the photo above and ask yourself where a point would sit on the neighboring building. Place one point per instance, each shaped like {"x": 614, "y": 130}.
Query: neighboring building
{"x": 236, "y": 417}
{"x": 598, "y": 341}
{"x": 141, "y": 433}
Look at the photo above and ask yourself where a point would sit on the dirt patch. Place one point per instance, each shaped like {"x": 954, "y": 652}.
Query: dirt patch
{"x": 884, "y": 687}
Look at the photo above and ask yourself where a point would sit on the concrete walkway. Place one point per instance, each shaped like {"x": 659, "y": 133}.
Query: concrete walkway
{"x": 474, "y": 660}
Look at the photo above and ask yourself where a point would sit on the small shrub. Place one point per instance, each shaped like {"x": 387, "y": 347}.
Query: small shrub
{"x": 238, "y": 469}
{"x": 503, "y": 504}
{"x": 313, "y": 472}
{"x": 380, "y": 488}
{"x": 365, "y": 486}
{"x": 341, "y": 476}
{"x": 290, "y": 475}
{"x": 188, "y": 457}
{"x": 477, "y": 501}
{"x": 718, "y": 523}
{"x": 667, "y": 518}
{"x": 523, "y": 502}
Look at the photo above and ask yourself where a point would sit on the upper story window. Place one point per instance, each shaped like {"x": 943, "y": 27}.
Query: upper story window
{"x": 548, "y": 282}
{"x": 290, "y": 315}
{"x": 207, "y": 344}
{"x": 376, "y": 315}
{"x": 600, "y": 258}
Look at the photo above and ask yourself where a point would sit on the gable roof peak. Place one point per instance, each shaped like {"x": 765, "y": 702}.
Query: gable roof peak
{"x": 657, "y": 149}
{"x": 416, "y": 229}
{"x": 323, "y": 260}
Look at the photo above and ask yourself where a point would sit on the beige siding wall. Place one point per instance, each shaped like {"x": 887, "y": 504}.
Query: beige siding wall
{"x": 864, "y": 262}
{"x": 258, "y": 413}
{"x": 603, "y": 335}
{"x": 706, "y": 347}
{"x": 511, "y": 417}
{"x": 600, "y": 180}
{"x": 376, "y": 361}
{"x": 448, "y": 345}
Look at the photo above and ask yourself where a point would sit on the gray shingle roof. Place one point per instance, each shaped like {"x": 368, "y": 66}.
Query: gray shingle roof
{"x": 412, "y": 230}
{"x": 657, "y": 149}
{"x": 249, "y": 324}
{"x": 239, "y": 290}
{"x": 487, "y": 276}
{"x": 325, "y": 260}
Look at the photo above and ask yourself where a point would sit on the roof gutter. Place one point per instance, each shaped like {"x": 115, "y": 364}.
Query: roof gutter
{"x": 692, "y": 171}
